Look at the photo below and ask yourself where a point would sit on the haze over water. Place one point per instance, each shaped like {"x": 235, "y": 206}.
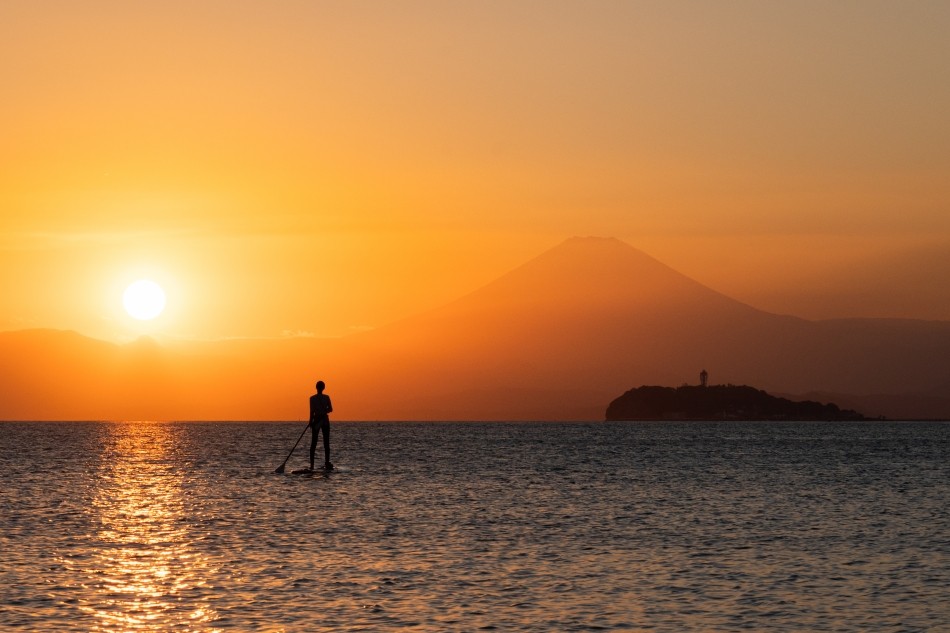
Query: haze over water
{"x": 466, "y": 526}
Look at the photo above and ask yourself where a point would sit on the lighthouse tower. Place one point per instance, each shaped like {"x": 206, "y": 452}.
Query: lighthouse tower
{"x": 703, "y": 377}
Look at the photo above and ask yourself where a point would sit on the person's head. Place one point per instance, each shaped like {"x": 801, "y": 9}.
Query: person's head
{"x": 320, "y": 386}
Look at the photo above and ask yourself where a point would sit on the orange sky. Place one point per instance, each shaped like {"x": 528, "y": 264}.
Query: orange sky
{"x": 323, "y": 167}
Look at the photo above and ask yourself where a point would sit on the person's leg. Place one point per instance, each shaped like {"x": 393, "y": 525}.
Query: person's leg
{"x": 314, "y": 430}
{"x": 326, "y": 442}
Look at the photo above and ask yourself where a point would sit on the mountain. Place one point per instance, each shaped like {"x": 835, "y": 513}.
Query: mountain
{"x": 561, "y": 335}
{"x": 556, "y": 338}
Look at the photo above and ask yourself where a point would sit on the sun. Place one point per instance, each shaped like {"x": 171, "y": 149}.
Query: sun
{"x": 144, "y": 300}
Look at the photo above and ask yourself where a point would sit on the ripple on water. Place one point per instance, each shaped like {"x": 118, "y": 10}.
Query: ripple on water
{"x": 520, "y": 527}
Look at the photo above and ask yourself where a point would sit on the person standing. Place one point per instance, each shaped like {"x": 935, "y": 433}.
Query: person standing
{"x": 320, "y": 408}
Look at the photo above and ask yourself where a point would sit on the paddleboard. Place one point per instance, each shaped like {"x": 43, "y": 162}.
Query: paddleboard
{"x": 307, "y": 471}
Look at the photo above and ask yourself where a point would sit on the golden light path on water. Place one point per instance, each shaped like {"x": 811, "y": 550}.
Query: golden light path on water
{"x": 146, "y": 573}
{"x": 130, "y": 527}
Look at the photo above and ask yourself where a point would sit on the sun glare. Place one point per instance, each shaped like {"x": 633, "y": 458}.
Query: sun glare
{"x": 144, "y": 300}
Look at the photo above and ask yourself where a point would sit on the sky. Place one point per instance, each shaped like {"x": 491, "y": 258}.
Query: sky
{"x": 310, "y": 168}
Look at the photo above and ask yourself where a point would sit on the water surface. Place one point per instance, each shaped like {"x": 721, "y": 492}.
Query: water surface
{"x": 514, "y": 527}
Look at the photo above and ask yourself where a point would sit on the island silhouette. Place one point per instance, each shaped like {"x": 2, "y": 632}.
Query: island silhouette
{"x": 719, "y": 402}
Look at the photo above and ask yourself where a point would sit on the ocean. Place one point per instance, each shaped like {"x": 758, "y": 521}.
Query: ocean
{"x": 692, "y": 526}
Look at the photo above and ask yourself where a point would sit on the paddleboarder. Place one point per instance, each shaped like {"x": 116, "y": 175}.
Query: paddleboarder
{"x": 320, "y": 408}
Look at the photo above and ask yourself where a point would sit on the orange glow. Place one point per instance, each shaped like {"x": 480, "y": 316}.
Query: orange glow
{"x": 315, "y": 171}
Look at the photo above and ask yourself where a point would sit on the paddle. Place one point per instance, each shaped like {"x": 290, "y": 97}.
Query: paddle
{"x": 280, "y": 469}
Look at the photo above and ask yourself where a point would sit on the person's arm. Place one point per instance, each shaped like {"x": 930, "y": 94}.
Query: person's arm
{"x": 329, "y": 405}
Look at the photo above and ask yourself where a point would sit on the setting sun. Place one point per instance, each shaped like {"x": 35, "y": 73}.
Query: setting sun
{"x": 144, "y": 300}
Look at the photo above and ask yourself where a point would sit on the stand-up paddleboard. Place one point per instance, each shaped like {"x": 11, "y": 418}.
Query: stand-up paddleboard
{"x": 316, "y": 471}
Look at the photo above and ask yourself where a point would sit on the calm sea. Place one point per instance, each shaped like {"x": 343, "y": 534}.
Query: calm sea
{"x": 507, "y": 527}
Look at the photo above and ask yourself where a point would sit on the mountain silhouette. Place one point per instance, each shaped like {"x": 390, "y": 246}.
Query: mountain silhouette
{"x": 556, "y": 338}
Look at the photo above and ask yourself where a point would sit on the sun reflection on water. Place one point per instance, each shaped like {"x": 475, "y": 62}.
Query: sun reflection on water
{"x": 146, "y": 574}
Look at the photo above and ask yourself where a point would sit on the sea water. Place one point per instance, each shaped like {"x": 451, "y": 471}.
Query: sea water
{"x": 467, "y": 526}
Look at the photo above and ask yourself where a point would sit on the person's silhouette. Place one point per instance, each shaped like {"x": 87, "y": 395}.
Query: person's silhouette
{"x": 320, "y": 408}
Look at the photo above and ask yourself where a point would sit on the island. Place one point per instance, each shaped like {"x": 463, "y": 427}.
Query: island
{"x": 719, "y": 402}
